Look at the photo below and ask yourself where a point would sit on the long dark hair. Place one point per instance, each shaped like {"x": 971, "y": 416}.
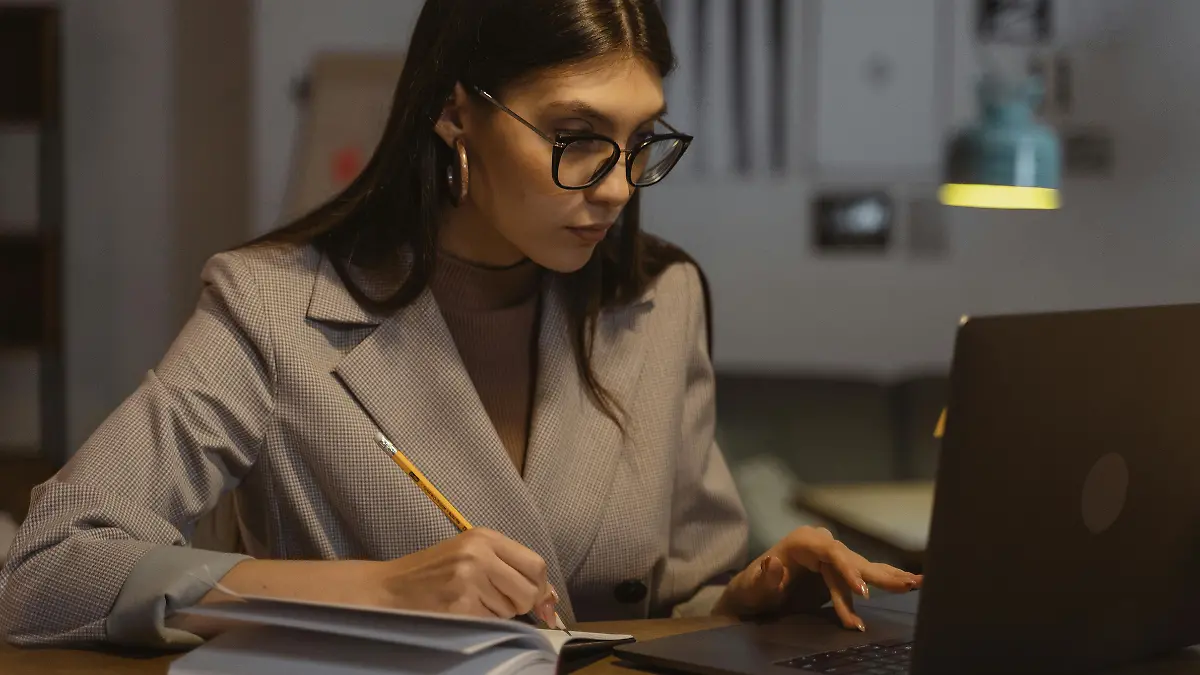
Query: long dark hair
{"x": 393, "y": 207}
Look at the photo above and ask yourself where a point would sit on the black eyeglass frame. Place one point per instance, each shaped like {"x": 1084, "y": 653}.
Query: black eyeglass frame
{"x": 564, "y": 139}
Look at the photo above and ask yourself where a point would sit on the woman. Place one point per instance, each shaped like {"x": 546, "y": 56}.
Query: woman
{"x": 482, "y": 296}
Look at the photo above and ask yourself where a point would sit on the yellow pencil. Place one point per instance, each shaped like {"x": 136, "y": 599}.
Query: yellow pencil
{"x": 419, "y": 478}
{"x": 435, "y": 495}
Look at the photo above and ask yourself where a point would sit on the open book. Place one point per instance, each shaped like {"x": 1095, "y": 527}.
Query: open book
{"x": 269, "y": 636}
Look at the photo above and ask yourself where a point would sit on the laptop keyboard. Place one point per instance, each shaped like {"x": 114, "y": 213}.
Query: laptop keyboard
{"x": 872, "y": 659}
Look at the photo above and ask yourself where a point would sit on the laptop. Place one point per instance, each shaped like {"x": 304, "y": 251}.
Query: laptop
{"x": 1065, "y": 535}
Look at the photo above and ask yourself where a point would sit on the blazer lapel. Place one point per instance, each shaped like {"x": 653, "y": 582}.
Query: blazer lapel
{"x": 407, "y": 375}
{"x": 330, "y": 302}
{"x": 573, "y": 447}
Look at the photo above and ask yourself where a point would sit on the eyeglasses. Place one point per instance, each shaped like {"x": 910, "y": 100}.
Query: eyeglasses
{"x": 583, "y": 159}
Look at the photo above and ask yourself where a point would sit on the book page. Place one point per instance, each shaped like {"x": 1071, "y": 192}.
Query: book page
{"x": 443, "y": 632}
{"x": 270, "y": 650}
{"x": 428, "y": 630}
{"x": 558, "y": 638}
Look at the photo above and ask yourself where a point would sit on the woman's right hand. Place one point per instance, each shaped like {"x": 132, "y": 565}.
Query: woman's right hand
{"x": 478, "y": 573}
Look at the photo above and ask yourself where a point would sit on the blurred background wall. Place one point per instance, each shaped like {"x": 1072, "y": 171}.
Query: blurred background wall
{"x": 1120, "y": 239}
{"x": 156, "y": 100}
{"x": 181, "y": 123}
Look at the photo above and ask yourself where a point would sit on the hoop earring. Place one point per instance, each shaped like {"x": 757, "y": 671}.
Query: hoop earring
{"x": 458, "y": 175}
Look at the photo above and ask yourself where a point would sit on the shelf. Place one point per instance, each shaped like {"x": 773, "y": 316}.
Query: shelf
{"x": 28, "y": 69}
{"x": 31, "y": 248}
{"x": 19, "y": 126}
{"x": 13, "y": 228}
{"x": 22, "y": 290}
{"x": 9, "y": 350}
{"x": 18, "y": 234}
{"x": 20, "y": 454}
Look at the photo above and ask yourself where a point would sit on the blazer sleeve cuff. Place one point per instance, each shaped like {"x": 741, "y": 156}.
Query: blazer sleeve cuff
{"x": 166, "y": 579}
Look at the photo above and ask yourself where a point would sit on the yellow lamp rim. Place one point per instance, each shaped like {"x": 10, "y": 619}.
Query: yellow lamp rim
{"x": 998, "y": 196}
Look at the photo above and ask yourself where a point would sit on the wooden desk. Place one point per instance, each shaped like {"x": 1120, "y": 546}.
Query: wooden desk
{"x": 15, "y": 661}
{"x": 892, "y": 516}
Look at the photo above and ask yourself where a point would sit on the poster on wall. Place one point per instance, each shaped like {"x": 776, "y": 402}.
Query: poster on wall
{"x": 344, "y": 108}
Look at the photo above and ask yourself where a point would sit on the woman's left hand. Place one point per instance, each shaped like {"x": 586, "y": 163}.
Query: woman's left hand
{"x": 804, "y": 570}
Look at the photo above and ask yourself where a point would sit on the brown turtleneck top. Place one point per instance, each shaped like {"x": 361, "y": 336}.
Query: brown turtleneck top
{"x": 492, "y": 314}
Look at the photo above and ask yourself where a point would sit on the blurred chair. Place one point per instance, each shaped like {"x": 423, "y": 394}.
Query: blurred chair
{"x": 767, "y": 486}
{"x": 780, "y": 433}
{"x": 8, "y": 532}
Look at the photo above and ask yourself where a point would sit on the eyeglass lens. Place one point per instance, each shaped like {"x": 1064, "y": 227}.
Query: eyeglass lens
{"x": 584, "y": 161}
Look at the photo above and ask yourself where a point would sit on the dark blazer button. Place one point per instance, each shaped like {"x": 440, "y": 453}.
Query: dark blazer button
{"x": 629, "y": 592}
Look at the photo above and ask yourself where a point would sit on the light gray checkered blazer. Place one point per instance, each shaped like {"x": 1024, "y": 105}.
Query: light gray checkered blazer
{"x": 277, "y": 386}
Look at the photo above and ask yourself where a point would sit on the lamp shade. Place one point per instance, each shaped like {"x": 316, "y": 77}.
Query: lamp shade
{"x": 1008, "y": 160}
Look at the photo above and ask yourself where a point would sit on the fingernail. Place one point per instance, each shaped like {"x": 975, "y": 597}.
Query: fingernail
{"x": 554, "y": 594}
{"x": 861, "y": 628}
{"x": 547, "y": 614}
{"x": 863, "y": 589}
{"x": 766, "y": 563}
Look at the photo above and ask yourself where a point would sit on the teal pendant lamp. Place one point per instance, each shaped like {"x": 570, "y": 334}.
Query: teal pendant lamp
{"x": 1008, "y": 160}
